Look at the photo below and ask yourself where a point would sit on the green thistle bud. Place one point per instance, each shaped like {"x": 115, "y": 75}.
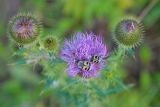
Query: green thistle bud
{"x": 128, "y": 33}
{"x": 24, "y": 28}
{"x": 50, "y": 43}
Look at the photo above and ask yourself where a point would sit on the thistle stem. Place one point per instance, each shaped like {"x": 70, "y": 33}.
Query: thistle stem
{"x": 147, "y": 9}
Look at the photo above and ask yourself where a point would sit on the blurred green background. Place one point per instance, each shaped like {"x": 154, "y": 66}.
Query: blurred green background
{"x": 20, "y": 84}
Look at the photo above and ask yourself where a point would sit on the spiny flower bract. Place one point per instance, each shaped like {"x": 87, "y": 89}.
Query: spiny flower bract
{"x": 85, "y": 55}
{"x": 24, "y": 28}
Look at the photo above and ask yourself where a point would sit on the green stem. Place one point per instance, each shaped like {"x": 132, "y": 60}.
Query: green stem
{"x": 147, "y": 9}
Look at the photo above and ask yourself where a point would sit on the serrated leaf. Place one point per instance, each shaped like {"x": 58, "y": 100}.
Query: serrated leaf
{"x": 98, "y": 90}
{"x": 20, "y": 51}
{"x": 114, "y": 90}
{"x": 22, "y": 61}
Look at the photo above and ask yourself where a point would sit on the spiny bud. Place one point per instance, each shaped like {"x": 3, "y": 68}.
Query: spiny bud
{"x": 24, "y": 28}
{"x": 128, "y": 33}
{"x": 50, "y": 43}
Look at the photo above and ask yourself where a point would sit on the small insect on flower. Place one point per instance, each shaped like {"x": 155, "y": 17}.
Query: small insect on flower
{"x": 128, "y": 33}
{"x": 84, "y": 65}
{"x": 24, "y": 28}
{"x": 85, "y": 55}
{"x": 95, "y": 59}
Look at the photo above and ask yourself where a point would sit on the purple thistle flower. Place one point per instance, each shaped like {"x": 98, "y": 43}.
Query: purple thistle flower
{"x": 85, "y": 55}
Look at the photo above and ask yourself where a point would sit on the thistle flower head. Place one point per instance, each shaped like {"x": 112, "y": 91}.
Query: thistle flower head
{"x": 24, "y": 28}
{"x": 128, "y": 33}
{"x": 85, "y": 55}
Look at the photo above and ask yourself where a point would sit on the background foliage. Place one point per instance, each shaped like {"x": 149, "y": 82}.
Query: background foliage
{"x": 23, "y": 85}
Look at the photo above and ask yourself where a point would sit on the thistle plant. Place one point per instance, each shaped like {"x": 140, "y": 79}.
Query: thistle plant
{"x": 83, "y": 69}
